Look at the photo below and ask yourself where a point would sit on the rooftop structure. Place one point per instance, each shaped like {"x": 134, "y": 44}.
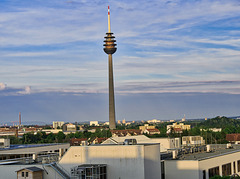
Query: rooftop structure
{"x": 30, "y": 173}
{"x": 193, "y": 141}
{"x": 89, "y": 171}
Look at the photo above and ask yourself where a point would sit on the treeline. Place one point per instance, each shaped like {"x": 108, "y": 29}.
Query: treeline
{"x": 60, "y": 137}
{"x": 204, "y": 129}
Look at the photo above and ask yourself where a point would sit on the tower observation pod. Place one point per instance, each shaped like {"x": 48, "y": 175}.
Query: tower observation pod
{"x": 110, "y": 48}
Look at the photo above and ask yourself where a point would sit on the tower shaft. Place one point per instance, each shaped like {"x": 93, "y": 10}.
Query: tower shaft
{"x": 112, "y": 121}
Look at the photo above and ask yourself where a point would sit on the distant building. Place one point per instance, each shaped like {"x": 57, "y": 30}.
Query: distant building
{"x": 30, "y": 173}
{"x": 126, "y": 132}
{"x": 94, "y": 123}
{"x": 233, "y": 138}
{"x": 146, "y": 126}
{"x": 184, "y": 118}
{"x": 69, "y": 127}
{"x": 78, "y": 142}
{"x": 92, "y": 130}
{"x": 128, "y": 123}
{"x": 153, "y": 121}
{"x": 192, "y": 141}
{"x": 106, "y": 123}
{"x": 172, "y": 120}
{"x": 57, "y": 124}
{"x": 212, "y": 129}
{"x": 54, "y": 131}
{"x": 177, "y": 128}
{"x": 151, "y": 131}
{"x": 123, "y": 121}
{"x": 119, "y": 122}
{"x": 4, "y": 143}
{"x": 98, "y": 140}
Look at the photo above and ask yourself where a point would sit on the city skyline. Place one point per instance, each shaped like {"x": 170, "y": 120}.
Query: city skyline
{"x": 175, "y": 57}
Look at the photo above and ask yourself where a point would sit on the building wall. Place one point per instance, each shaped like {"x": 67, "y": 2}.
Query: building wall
{"x": 19, "y": 174}
{"x": 123, "y": 161}
{"x": 194, "y": 169}
{"x": 219, "y": 161}
{"x": 57, "y": 124}
{"x": 152, "y": 162}
{"x": 181, "y": 169}
{"x": 38, "y": 175}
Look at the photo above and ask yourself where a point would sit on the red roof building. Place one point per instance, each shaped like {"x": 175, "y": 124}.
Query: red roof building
{"x": 126, "y": 132}
{"x": 233, "y": 138}
{"x": 77, "y": 142}
{"x": 151, "y": 131}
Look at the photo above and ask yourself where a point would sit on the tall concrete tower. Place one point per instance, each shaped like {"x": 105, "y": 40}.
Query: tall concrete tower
{"x": 110, "y": 48}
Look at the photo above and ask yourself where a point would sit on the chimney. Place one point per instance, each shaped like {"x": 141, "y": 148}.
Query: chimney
{"x": 229, "y": 146}
{"x": 174, "y": 154}
{"x": 208, "y": 148}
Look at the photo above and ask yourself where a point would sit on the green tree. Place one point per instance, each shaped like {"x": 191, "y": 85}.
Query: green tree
{"x": 60, "y": 137}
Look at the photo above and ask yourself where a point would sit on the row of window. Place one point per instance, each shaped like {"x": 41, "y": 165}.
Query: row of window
{"x": 226, "y": 170}
{"x": 24, "y": 174}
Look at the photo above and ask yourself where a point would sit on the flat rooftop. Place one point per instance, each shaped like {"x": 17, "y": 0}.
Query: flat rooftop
{"x": 200, "y": 154}
{"x": 21, "y": 146}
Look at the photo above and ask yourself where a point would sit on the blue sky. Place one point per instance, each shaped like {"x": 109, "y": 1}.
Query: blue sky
{"x": 169, "y": 49}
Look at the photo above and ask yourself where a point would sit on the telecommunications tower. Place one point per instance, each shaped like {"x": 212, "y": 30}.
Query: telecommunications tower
{"x": 110, "y": 48}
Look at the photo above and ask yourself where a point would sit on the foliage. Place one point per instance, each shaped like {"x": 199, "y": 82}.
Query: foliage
{"x": 60, "y": 137}
{"x": 223, "y": 177}
{"x": 221, "y": 122}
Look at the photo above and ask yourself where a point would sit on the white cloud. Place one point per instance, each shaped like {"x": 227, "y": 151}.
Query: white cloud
{"x": 2, "y": 86}
{"x": 27, "y": 89}
{"x": 58, "y": 44}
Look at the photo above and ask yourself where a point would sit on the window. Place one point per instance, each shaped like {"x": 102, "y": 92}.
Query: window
{"x": 162, "y": 170}
{"x": 234, "y": 167}
{"x": 238, "y": 165}
{"x": 26, "y": 174}
{"x": 22, "y": 174}
{"x": 226, "y": 169}
{"x": 204, "y": 174}
{"x": 213, "y": 171}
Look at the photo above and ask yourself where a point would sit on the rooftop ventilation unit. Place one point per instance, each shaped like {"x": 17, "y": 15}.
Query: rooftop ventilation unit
{"x": 209, "y": 148}
{"x": 130, "y": 142}
{"x": 229, "y": 146}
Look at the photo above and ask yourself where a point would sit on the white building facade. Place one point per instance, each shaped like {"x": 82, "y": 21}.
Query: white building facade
{"x": 123, "y": 161}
